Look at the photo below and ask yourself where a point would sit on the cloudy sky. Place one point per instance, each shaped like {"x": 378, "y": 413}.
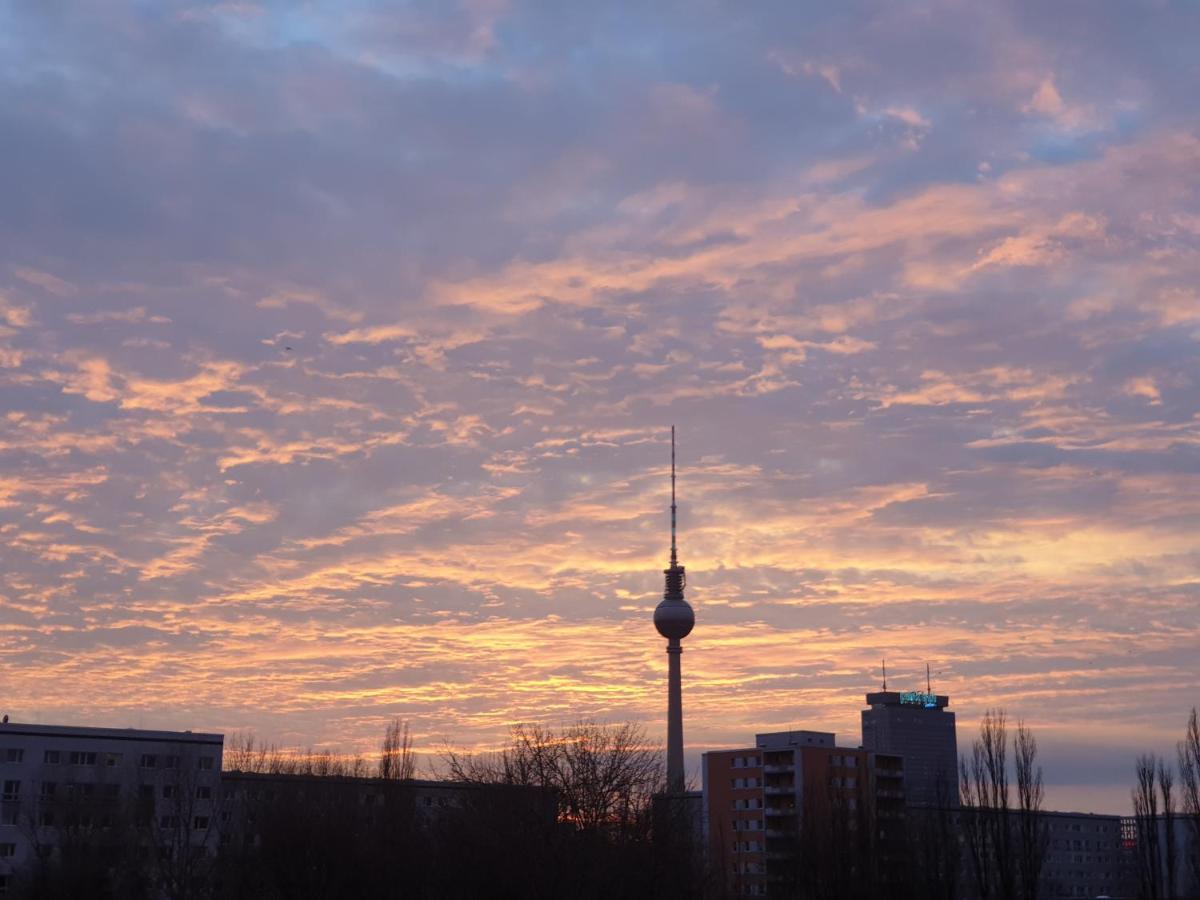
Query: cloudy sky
{"x": 340, "y": 342}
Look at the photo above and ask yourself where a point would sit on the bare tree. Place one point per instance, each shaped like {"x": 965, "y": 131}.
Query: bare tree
{"x": 1148, "y": 857}
{"x": 178, "y": 815}
{"x": 244, "y": 753}
{"x": 1031, "y": 829}
{"x": 985, "y": 796}
{"x": 1189, "y": 777}
{"x": 1166, "y": 791}
{"x": 604, "y": 775}
{"x": 397, "y": 761}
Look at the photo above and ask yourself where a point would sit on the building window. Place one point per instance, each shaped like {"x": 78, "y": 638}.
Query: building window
{"x": 46, "y": 818}
{"x": 12, "y": 791}
{"x": 112, "y": 759}
{"x": 8, "y": 815}
{"x": 48, "y": 788}
{"x": 204, "y": 762}
{"x": 171, "y": 762}
{"x": 5, "y": 881}
{"x": 8, "y": 850}
{"x": 50, "y": 757}
{"x": 79, "y": 789}
{"x": 203, "y": 792}
{"x": 82, "y": 758}
{"x": 14, "y": 755}
{"x": 168, "y": 791}
{"x": 148, "y": 761}
{"x": 200, "y": 823}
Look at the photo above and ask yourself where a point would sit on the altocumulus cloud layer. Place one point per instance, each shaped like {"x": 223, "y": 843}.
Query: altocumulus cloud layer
{"x": 339, "y": 342}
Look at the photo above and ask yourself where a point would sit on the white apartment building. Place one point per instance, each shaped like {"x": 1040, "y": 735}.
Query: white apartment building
{"x": 57, "y": 780}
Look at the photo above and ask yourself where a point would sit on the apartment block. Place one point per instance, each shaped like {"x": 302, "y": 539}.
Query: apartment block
{"x": 61, "y": 782}
{"x": 797, "y": 792}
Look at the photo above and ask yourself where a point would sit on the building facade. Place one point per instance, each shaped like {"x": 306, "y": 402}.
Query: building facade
{"x": 113, "y": 786}
{"x": 795, "y": 805}
{"x": 1084, "y": 856}
{"x": 918, "y": 727}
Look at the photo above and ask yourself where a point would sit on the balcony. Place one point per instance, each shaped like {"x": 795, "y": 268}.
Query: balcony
{"x": 779, "y": 790}
{"x": 778, "y": 768}
{"x": 780, "y": 810}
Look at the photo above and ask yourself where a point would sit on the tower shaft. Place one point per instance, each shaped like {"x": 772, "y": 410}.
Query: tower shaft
{"x": 674, "y": 718}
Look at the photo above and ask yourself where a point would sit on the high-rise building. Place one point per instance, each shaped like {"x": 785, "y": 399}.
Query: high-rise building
{"x": 673, "y": 618}
{"x": 918, "y": 727}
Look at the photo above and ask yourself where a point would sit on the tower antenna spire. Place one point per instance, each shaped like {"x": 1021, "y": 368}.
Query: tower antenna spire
{"x": 928, "y": 689}
{"x": 674, "y": 556}
{"x": 885, "y": 674}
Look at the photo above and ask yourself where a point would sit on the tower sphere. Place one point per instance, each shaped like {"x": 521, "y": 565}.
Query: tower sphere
{"x": 674, "y": 618}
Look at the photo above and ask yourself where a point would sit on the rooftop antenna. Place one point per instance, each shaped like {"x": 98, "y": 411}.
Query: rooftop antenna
{"x": 928, "y": 689}
{"x": 885, "y": 674}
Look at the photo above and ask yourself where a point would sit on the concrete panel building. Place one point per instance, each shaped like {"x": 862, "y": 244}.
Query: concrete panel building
{"x": 61, "y": 782}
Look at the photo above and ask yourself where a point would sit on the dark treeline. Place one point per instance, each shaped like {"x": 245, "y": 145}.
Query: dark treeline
{"x": 1166, "y": 811}
{"x": 555, "y": 813}
{"x": 572, "y": 813}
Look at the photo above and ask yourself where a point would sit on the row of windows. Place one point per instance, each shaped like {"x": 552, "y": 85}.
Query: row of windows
{"x": 848, "y": 762}
{"x": 1075, "y": 826}
{"x": 74, "y": 789}
{"x": 48, "y": 818}
{"x": 748, "y": 803}
{"x": 91, "y": 758}
{"x": 747, "y": 846}
{"x": 747, "y": 825}
{"x": 744, "y": 782}
{"x": 1077, "y": 844}
{"x": 745, "y": 762}
{"x": 199, "y": 823}
{"x": 749, "y": 868}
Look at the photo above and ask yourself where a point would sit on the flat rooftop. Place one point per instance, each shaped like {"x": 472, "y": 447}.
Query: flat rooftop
{"x": 81, "y": 732}
{"x": 773, "y": 740}
{"x": 916, "y": 699}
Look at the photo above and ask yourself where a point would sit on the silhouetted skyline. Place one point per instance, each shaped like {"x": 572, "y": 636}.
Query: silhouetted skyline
{"x": 339, "y": 341}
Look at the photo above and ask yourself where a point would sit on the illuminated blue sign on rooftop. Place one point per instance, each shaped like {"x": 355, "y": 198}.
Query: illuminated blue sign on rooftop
{"x": 916, "y": 698}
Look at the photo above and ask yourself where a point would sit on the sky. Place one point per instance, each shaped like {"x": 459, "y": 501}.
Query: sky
{"x": 340, "y": 343}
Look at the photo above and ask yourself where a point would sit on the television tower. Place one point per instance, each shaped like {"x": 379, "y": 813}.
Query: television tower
{"x": 674, "y": 619}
